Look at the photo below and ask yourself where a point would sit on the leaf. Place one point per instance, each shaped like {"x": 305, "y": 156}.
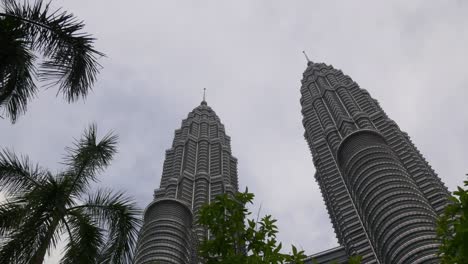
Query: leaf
{"x": 85, "y": 240}
{"x": 18, "y": 175}
{"x": 452, "y": 229}
{"x": 17, "y": 69}
{"x": 69, "y": 58}
{"x": 88, "y": 157}
{"x": 120, "y": 216}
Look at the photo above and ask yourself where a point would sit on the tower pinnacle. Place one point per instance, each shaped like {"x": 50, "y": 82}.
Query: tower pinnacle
{"x": 204, "y": 97}
{"x": 307, "y": 58}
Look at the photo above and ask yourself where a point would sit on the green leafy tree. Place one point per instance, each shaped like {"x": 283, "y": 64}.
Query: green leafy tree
{"x": 452, "y": 229}
{"x": 31, "y": 31}
{"x": 101, "y": 226}
{"x": 355, "y": 260}
{"x": 236, "y": 239}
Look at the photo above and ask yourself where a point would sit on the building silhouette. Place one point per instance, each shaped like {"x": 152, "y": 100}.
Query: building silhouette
{"x": 198, "y": 167}
{"x": 381, "y": 194}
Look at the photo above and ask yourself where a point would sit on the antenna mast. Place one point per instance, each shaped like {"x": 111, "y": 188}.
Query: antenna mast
{"x": 307, "y": 57}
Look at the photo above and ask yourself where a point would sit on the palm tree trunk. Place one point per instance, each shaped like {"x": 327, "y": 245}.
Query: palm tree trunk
{"x": 39, "y": 256}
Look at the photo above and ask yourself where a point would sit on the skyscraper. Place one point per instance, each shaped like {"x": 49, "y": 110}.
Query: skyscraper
{"x": 198, "y": 167}
{"x": 381, "y": 194}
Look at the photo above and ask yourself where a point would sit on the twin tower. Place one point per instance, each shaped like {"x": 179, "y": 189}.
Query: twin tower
{"x": 383, "y": 198}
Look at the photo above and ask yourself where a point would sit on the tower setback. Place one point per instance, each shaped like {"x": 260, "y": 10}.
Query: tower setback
{"x": 198, "y": 167}
{"x": 381, "y": 194}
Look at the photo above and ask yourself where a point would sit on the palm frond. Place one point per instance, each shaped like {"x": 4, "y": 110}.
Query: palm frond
{"x": 39, "y": 214}
{"x": 87, "y": 157}
{"x": 21, "y": 245}
{"x": 16, "y": 69}
{"x": 121, "y": 217}
{"x": 85, "y": 239}
{"x": 71, "y": 58}
{"x": 12, "y": 214}
{"x": 18, "y": 175}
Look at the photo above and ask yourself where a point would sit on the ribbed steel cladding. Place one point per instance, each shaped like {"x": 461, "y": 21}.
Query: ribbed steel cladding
{"x": 347, "y": 227}
{"x": 347, "y": 100}
{"x": 390, "y": 202}
{"x": 328, "y": 176}
{"x": 419, "y": 169}
{"x": 202, "y": 156}
{"x": 164, "y": 236}
{"x": 226, "y": 164}
{"x": 215, "y": 159}
{"x": 167, "y": 168}
{"x": 233, "y": 173}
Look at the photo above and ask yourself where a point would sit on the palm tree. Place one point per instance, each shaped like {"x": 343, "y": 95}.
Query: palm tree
{"x": 100, "y": 226}
{"x": 68, "y": 59}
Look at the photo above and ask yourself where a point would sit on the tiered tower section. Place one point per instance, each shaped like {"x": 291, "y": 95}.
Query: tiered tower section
{"x": 198, "y": 167}
{"x": 382, "y": 196}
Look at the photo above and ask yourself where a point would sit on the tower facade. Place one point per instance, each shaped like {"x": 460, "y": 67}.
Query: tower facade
{"x": 198, "y": 167}
{"x": 381, "y": 194}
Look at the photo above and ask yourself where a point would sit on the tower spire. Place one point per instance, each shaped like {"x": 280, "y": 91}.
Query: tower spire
{"x": 307, "y": 57}
{"x": 204, "y": 97}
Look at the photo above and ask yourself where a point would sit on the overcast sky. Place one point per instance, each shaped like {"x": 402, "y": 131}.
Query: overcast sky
{"x": 410, "y": 55}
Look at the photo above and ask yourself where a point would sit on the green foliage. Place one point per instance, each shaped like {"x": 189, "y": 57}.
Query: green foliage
{"x": 355, "y": 260}
{"x": 41, "y": 207}
{"x": 68, "y": 59}
{"x": 236, "y": 239}
{"x": 452, "y": 229}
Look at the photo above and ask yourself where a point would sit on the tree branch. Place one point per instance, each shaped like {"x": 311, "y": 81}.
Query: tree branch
{"x": 68, "y": 229}
{"x": 27, "y": 20}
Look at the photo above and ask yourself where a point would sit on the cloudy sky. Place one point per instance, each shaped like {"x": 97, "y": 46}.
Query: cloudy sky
{"x": 410, "y": 55}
